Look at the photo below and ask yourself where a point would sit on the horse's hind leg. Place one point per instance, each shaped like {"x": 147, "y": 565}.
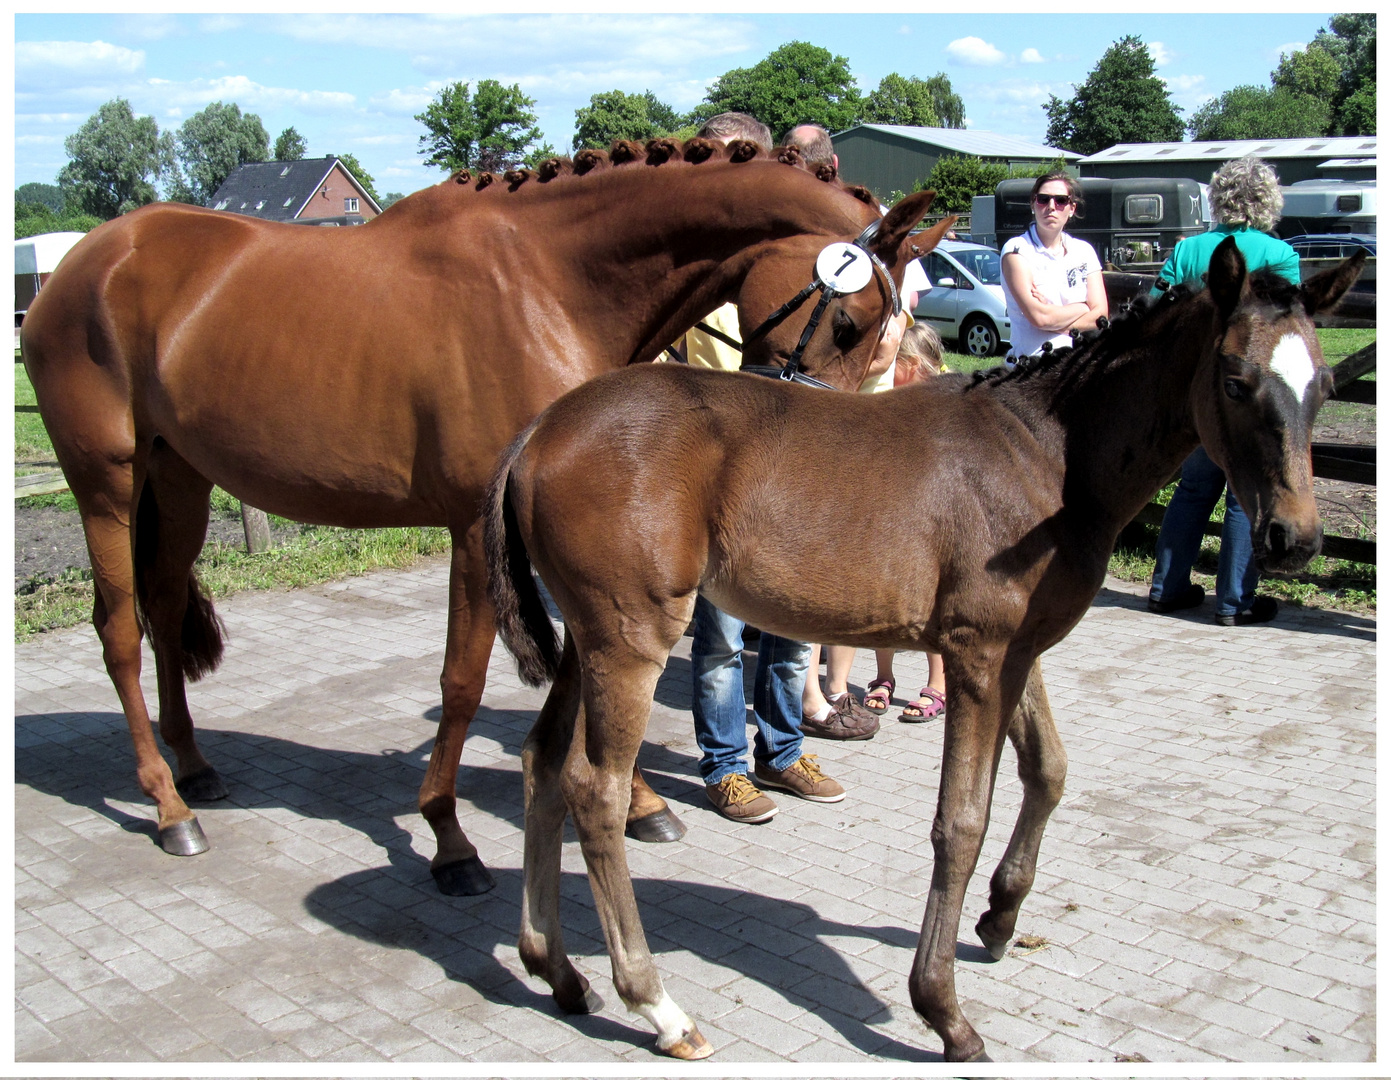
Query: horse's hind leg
{"x": 456, "y": 867}
{"x": 104, "y": 491}
{"x": 171, "y": 525}
{"x": 541, "y": 943}
{"x": 1042, "y": 769}
{"x": 596, "y": 780}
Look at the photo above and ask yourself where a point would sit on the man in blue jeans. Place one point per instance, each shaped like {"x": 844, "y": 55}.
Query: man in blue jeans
{"x": 1246, "y": 203}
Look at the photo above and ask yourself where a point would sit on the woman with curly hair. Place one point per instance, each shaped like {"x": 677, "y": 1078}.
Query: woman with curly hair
{"x": 1246, "y": 203}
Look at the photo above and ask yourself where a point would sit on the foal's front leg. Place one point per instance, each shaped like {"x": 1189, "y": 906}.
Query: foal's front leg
{"x": 979, "y": 699}
{"x": 1042, "y": 769}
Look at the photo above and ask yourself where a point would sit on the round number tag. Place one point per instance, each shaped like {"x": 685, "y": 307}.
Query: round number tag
{"x": 844, "y": 267}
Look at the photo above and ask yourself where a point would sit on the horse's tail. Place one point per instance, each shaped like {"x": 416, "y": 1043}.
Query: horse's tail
{"x": 201, "y": 635}
{"x": 522, "y": 620}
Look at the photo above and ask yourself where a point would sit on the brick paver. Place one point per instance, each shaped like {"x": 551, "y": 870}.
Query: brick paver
{"x": 1206, "y": 890}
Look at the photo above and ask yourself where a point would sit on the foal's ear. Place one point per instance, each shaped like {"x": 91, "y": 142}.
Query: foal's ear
{"x": 1326, "y": 288}
{"x": 1226, "y": 276}
{"x": 894, "y": 228}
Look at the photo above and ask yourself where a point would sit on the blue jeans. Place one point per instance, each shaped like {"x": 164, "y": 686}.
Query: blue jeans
{"x": 717, "y": 700}
{"x": 1201, "y": 483}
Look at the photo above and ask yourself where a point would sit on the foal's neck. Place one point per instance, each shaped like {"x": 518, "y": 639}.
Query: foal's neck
{"x": 1129, "y": 427}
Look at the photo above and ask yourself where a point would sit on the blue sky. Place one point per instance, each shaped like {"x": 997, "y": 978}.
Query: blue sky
{"x": 353, "y": 82}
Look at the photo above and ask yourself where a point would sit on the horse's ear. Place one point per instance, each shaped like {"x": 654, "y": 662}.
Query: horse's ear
{"x": 1226, "y": 276}
{"x": 1326, "y": 288}
{"x": 895, "y": 227}
{"x": 919, "y": 244}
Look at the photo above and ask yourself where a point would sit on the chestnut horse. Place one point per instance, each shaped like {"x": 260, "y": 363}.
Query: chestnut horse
{"x": 370, "y": 377}
{"x": 640, "y": 488}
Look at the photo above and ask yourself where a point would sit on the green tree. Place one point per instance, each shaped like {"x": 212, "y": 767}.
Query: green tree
{"x": 49, "y": 195}
{"x": 796, "y": 83}
{"x": 491, "y": 129}
{"x": 360, "y": 174}
{"x": 901, "y": 101}
{"x": 1255, "y": 112}
{"x": 1313, "y": 71}
{"x": 210, "y": 144}
{"x": 613, "y": 115}
{"x": 390, "y": 199}
{"x": 951, "y": 110}
{"x": 1358, "y": 114}
{"x": 290, "y": 145}
{"x": 956, "y": 179}
{"x": 115, "y": 157}
{"x": 1353, "y": 42}
{"x": 34, "y": 218}
{"x": 1121, "y": 101}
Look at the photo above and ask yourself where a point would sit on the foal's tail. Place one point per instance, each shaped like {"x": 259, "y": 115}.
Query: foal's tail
{"x": 522, "y": 620}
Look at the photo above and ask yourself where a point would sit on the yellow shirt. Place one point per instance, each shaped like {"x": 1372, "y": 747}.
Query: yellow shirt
{"x": 705, "y": 351}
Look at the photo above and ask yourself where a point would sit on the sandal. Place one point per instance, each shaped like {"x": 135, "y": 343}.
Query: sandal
{"x": 881, "y": 695}
{"x": 931, "y": 705}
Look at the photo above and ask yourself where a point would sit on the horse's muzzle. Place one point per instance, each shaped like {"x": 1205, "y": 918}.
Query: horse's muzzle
{"x": 1282, "y": 547}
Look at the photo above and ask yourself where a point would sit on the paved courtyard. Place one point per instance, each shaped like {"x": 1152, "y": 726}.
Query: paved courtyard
{"x": 1206, "y": 890}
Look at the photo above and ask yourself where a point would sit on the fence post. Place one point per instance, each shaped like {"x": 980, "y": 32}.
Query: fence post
{"x": 256, "y": 526}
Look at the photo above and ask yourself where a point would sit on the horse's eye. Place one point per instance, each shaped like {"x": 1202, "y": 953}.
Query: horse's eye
{"x": 1236, "y": 389}
{"x": 843, "y": 331}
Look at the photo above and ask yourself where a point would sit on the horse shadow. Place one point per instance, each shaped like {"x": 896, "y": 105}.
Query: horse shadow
{"x": 397, "y": 905}
{"x": 1292, "y": 616}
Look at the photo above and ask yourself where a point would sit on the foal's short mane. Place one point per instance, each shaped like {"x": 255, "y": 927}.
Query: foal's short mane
{"x": 1097, "y": 351}
{"x": 662, "y": 151}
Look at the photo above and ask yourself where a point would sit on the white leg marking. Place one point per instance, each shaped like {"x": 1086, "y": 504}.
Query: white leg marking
{"x": 667, "y": 1017}
{"x": 1291, "y": 361}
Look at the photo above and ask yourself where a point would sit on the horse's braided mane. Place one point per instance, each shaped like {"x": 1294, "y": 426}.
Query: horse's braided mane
{"x": 656, "y": 152}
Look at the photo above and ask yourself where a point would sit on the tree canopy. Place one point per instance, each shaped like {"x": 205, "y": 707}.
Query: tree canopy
{"x": 1122, "y": 100}
{"x": 797, "y": 83}
{"x": 34, "y": 218}
{"x": 114, "y": 159}
{"x": 210, "y": 144}
{"x": 491, "y": 129}
{"x": 1326, "y": 88}
{"x": 290, "y": 145}
{"x": 617, "y": 115}
{"x": 49, "y": 195}
{"x": 915, "y": 102}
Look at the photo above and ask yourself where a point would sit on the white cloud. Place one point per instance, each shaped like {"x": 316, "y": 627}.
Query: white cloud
{"x": 1018, "y": 91}
{"x": 1159, "y": 53}
{"x": 1030, "y": 56}
{"x": 53, "y": 63}
{"x": 974, "y": 52}
{"x": 1287, "y": 49}
{"x": 250, "y": 95}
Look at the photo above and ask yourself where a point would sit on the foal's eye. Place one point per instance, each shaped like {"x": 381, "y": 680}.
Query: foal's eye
{"x": 1236, "y": 389}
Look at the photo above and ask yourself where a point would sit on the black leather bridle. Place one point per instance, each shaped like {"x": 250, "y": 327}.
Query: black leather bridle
{"x": 792, "y": 371}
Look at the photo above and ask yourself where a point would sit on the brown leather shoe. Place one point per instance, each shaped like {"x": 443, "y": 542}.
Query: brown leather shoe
{"x": 737, "y": 799}
{"x": 848, "y": 722}
{"x": 803, "y": 778}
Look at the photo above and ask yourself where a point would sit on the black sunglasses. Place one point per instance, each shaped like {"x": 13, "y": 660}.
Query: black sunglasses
{"x": 1062, "y": 202}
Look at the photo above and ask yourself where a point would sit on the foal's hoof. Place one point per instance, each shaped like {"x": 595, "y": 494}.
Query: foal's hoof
{"x": 692, "y": 1046}
{"x": 586, "y": 1004}
{"x": 660, "y": 828}
{"x": 203, "y": 786}
{"x": 994, "y": 944}
{"x": 467, "y": 877}
{"x": 185, "y": 838}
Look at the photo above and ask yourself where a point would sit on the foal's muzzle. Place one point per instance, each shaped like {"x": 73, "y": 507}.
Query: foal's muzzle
{"x": 1280, "y": 546}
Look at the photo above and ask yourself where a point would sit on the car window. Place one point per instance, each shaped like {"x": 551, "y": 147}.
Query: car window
{"x": 983, "y": 264}
{"x": 938, "y": 268}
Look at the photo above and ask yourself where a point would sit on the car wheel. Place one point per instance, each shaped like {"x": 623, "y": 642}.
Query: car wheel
{"x": 979, "y": 337}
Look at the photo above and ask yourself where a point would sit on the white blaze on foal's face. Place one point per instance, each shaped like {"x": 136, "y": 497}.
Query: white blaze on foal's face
{"x": 1292, "y": 362}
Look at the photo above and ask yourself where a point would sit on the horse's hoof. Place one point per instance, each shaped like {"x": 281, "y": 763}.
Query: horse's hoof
{"x": 690, "y": 1047}
{"x": 185, "y": 838}
{"x": 467, "y": 877}
{"x": 587, "y": 1004}
{"x": 994, "y": 945}
{"x": 660, "y": 828}
{"x": 203, "y": 786}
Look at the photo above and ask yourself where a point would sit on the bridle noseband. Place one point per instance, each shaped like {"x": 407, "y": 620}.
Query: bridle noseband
{"x": 791, "y": 371}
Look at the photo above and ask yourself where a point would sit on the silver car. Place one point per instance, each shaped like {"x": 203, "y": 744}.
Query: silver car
{"x": 966, "y": 301}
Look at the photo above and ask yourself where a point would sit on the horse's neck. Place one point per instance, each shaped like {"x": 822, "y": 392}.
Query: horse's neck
{"x": 664, "y": 246}
{"x": 1131, "y": 425}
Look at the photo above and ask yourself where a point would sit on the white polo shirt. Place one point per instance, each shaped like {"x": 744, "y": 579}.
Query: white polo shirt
{"x": 1062, "y": 278}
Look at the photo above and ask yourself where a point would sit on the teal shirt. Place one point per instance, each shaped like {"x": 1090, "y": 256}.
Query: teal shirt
{"x": 1189, "y": 260}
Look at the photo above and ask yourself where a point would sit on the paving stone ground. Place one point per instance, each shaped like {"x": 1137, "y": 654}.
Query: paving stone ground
{"x": 1206, "y": 890}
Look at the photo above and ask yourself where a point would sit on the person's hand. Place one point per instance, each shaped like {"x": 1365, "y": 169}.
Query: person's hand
{"x": 1038, "y": 294}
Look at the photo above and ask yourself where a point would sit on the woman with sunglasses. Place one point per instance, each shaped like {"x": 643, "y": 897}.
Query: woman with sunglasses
{"x": 1052, "y": 281}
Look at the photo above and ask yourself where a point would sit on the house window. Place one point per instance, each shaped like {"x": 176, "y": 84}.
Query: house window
{"x": 350, "y": 206}
{"x": 285, "y": 171}
{"x": 261, "y": 205}
{"x": 289, "y": 200}
{"x": 221, "y": 204}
